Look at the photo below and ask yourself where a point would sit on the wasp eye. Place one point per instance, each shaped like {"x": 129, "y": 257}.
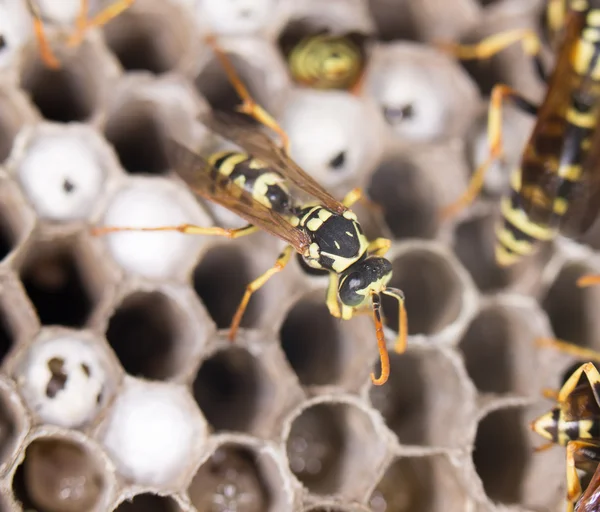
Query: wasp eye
{"x": 338, "y": 161}
{"x": 350, "y": 288}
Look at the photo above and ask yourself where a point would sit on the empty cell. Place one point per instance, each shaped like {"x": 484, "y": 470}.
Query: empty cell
{"x": 150, "y": 40}
{"x": 148, "y": 334}
{"x": 434, "y": 292}
{"x": 62, "y": 173}
{"x": 404, "y": 192}
{"x": 153, "y": 432}
{"x": 333, "y": 448}
{"x": 228, "y": 388}
{"x": 419, "y": 484}
{"x": 311, "y": 340}
{"x": 231, "y": 480}
{"x": 220, "y": 280}
{"x": 499, "y": 350}
{"x": 59, "y": 475}
{"x": 67, "y": 94}
{"x": 7, "y": 335}
{"x": 395, "y": 21}
{"x": 53, "y": 278}
{"x": 573, "y": 311}
{"x": 149, "y": 503}
{"x": 66, "y": 379}
{"x": 137, "y": 135}
{"x": 425, "y": 401}
{"x": 501, "y": 454}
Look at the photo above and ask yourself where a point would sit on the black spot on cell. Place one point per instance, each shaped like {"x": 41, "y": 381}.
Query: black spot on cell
{"x": 57, "y": 382}
{"x": 338, "y": 161}
{"x": 395, "y": 115}
{"x": 2, "y": 42}
{"x": 86, "y": 369}
{"x": 68, "y": 186}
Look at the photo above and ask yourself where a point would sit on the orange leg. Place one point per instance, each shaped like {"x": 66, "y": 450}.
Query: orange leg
{"x": 102, "y": 18}
{"x": 588, "y": 280}
{"x": 383, "y": 353}
{"x": 38, "y": 27}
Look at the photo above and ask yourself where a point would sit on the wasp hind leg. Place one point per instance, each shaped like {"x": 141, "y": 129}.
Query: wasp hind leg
{"x": 188, "y": 229}
{"x": 500, "y": 93}
{"x": 255, "y": 285}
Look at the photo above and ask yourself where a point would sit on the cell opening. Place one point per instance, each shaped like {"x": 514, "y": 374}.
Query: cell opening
{"x": 412, "y": 404}
{"x": 501, "y": 454}
{"x": 409, "y": 206}
{"x": 52, "y": 278}
{"x": 212, "y": 83}
{"x": 572, "y": 310}
{"x": 433, "y": 292}
{"x": 63, "y": 95}
{"x": 228, "y": 388}
{"x": 311, "y": 341}
{"x": 419, "y": 484}
{"x": 220, "y": 280}
{"x": 395, "y": 22}
{"x": 136, "y": 133}
{"x": 9, "y": 428}
{"x": 145, "y": 41}
{"x": 149, "y": 503}
{"x": 8, "y": 234}
{"x": 57, "y": 474}
{"x": 231, "y": 479}
{"x": 7, "y": 335}
{"x": 145, "y": 334}
{"x": 495, "y": 349}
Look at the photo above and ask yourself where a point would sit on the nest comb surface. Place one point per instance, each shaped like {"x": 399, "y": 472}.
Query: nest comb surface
{"x": 115, "y": 365}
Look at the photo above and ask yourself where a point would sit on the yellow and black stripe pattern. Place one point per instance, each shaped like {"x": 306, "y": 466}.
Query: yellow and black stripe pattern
{"x": 325, "y": 61}
{"x": 555, "y": 158}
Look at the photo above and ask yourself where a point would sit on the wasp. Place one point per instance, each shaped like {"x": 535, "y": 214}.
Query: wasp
{"x": 326, "y": 60}
{"x": 258, "y": 185}
{"x": 83, "y": 23}
{"x": 556, "y": 187}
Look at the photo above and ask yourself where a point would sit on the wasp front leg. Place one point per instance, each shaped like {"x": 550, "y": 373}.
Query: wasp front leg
{"x": 332, "y": 302}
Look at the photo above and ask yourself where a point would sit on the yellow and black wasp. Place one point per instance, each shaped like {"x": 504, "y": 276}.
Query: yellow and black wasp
{"x": 258, "y": 185}
{"x": 556, "y": 188}
{"x": 324, "y": 59}
{"x": 84, "y": 22}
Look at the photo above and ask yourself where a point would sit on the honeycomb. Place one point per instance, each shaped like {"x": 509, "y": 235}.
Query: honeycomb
{"x": 119, "y": 390}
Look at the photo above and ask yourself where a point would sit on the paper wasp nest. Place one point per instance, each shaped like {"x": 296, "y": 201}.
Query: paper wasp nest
{"x": 116, "y": 369}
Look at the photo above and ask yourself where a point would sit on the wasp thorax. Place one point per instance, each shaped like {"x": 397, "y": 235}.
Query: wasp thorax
{"x": 370, "y": 275}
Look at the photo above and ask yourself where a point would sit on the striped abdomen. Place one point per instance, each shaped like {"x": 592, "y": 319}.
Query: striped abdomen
{"x": 253, "y": 176}
{"x": 326, "y": 62}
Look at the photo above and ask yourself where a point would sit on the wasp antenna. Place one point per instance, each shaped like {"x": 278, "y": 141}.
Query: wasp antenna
{"x": 400, "y": 345}
{"x": 383, "y": 353}
{"x": 588, "y": 280}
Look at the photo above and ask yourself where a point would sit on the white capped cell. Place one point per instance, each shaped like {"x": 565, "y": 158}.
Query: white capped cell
{"x": 15, "y": 29}
{"x": 61, "y": 175}
{"x": 153, "y": 431}
{"x": 152, "y": 203}
{"x": 64, "y": 380}
{"x": 236, "y": 17}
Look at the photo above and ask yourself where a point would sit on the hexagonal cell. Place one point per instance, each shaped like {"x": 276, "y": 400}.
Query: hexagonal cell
{"x": 14, "y": 113}
{"x": 149, "y": 36}
{"x": 61, "y": 279}
{"x": 7, "y": 334}
{"x": 413, "y": 405}
{"x": 148, "y": 503}
{"x": 13, "y": 424}
{"x": 502, "y": 454}
{"x": 59, "y": 473}
{"x": 499, "y": 350}
{"x": 66, "y": 377}
{"x": 321, "y": 349}
{"x": 333, "y": 448}
{"x": 220, "y": 280}
{"x": 136, "y": 132}
{"x": 419, "y": 484}
{"x": 236, "y": 477}
{"x": 572, "y": 310}
{"x": 404, "y": 192}
{"x": 434, "y": 291}
{"x": 16, "y": 220}
{"x": 154, "y": 433}
{"x": 152, "y": 336}
{"x": 70, "y": 93}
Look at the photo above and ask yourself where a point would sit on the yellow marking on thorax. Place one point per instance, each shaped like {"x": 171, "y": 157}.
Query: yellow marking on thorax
{"x": 314, "y": 224}
{"x": 519, "y": 219}
{"x": 228, "y": 165}
{"x": 339, "y": 263}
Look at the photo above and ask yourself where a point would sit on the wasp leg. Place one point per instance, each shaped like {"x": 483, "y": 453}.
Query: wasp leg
{"x": 592, "y": 375}
{"x": 255, "y": 285}
{"x": 582, "y": 455}
{"x": 500, "y": 93}
{"x": 379, "y": 246}
{"x": 550, "y": 394}
{"x": 357, "y": 194}
{"x": 357, "y": 86}
{"x": 189, "y": 229}
{"x": 102, "y": 18}
{"x": 332, "y": 296}
{"x": 249, "y": 106}
{"x": 588, "y": 280}
{"x": 38, "y": 27}
{"x": 569, "y": 348}
{"x": 384, "y": 357}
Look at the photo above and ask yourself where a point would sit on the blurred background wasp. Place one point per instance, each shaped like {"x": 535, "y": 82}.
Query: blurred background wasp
{"x": 556, "y": 188}
{"x": 263, "y": 186}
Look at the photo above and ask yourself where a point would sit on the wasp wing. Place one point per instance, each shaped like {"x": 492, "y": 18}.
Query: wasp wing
{"x": 205, "y": 181}
{"x": 258, "y": 144}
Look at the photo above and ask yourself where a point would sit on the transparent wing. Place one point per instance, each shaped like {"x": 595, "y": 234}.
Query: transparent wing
{"x": 258, "y": 144}
{"x": 205, "y": 181}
